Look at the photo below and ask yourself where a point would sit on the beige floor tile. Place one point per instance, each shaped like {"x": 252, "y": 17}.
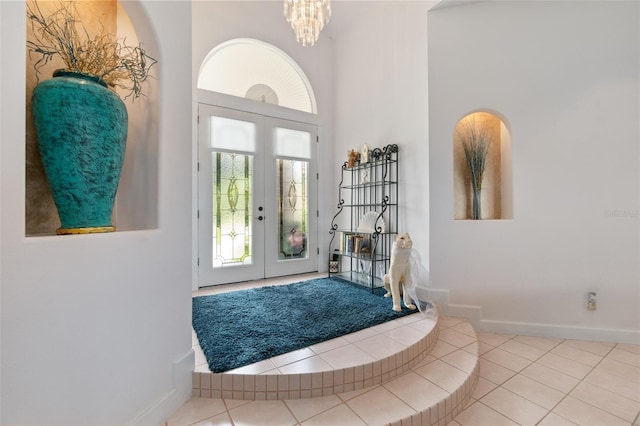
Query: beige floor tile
{"x": 235, "y": 403}
{"x": 263, "y": 413}
{"x": 624, "y": 357}
{"x": 462, "y": 360}
{"x": 389, "y": 325}
{"x": 424, "y": 325}
{"x": 346, "y": 396}
{"x": 522, "y": 350}
{"x": 607, "y": 401}
{"x": 306, "y": 408}
{"x": 493, "y": 339}
{"x": 329, "y": 345}
{"x": 416, "y": 391}
{"x": 219, "y": 420}
{"x": 255, "y": 368}
{"x": 453, "y": 423}
{"x": 575, "y": 354}
{"x": 506, "y": 359}
{"x": 472, "y": 349}
{"x": 379, "y": 407}
{"x": 544, "y": 343}
{"x": 586, "y": 415}
{"x": 615, "y": 384}
{"x": 621, "y": 369}
{"x": 534, "y": 391}
{"x": 293, "y": 356}
{"x": 483, "y": 347}
{"x": 196, "y": 410}
{"x": 442, "y": 348}
{"x": 455, "y": 338}
{"x": 360, "y": 335}
{"x": 550, "y": 377}
{"x": 446, "y": 322}
{"x": 553, "y": 419}
{"x": 427, "y": 360}
{"x": 405, "y": 335}
{"x": 410, "y": 319}
{"x": 380, "y": 346}
{"x": 479, "y": 414}
{"x": 515, "y": 407}
{"x": 596, "y": 348}
{"x": 565, "y": 365}
{"x": 447, "y": 377}
{"x": 494, "y": 372}
{"x": 313, "y": 364}
{"x": 482, "y": 388}
{"x": 629, "y": 347}
{"x": 340, "y": 415}
{"x": 346, "y": 356}
{"x": 465, "y": 328}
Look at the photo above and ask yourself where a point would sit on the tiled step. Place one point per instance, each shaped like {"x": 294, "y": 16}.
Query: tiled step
{"x": 422, "y": 388}
{"x": 314, "y": 377}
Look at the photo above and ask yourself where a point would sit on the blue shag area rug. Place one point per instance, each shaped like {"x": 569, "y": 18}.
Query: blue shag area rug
{"x": 242, "y": 327}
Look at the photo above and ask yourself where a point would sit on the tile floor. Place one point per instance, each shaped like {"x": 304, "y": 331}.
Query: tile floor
{"x": 524, "y": 380}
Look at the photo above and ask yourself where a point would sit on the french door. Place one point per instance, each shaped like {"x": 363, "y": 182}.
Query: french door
{"x": 257, "y": 185}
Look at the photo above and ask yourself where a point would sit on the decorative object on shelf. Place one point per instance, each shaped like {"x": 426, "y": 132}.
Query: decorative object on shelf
{"x": 307, "y": 18}
{"x": 371, "y": 222}
{"x": 475, "y": 138}
{"x": 364, "y": 153}
{"x": 364, "y": 177}
{"x": 81, "y": 125}
{"x": 353, "y": 158}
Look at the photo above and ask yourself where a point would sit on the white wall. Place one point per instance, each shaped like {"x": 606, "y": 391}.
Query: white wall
{"x": 564, "y": 76}
{"x": 381, "y": 98}
{"x": 96, "y": 328}
{"x": 215, "y": 22}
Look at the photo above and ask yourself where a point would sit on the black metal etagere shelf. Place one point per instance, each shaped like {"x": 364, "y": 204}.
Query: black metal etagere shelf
{"x": 368, "y": 196}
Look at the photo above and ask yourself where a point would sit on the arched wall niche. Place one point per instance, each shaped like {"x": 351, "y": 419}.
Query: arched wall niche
{"x": 482, "y": 136}
{"x": 136, "y": 205}
{"x": 252, "y": 69}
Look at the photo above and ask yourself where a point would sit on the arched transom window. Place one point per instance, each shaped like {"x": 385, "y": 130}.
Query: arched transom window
{"x": 256, "y": 70}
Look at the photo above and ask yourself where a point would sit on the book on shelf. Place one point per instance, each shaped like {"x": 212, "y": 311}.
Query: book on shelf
{"x": 355, "y": 243}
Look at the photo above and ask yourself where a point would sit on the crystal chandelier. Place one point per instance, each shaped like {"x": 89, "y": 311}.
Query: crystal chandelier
{"x": 307, "y": 18}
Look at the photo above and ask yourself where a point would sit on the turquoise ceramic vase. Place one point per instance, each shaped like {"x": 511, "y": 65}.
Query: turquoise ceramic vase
{"x": 81, "y": 128}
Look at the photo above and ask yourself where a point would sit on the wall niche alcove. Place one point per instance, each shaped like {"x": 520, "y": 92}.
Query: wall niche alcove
{"x": 482, "y": 152}
{"x": 136, "y": 205}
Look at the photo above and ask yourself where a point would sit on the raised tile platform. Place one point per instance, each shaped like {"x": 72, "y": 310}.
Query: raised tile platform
{"x": 434, "y": 375}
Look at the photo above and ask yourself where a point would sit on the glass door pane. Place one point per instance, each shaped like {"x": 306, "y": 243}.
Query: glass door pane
{"x": 232, "y": 218}
{"x": 293, "y": 209}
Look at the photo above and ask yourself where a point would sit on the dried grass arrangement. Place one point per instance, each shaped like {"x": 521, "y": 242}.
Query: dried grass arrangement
{"x": 109, "y": 58}
{"x": 476, "y": 137}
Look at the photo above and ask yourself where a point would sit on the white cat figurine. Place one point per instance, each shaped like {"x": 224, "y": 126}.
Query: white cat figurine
{"x": 399, "y": 272}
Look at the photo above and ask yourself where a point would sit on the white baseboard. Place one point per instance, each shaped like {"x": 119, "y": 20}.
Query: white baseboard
{"x": 561, "y": 331}
{"x": 474, "y": 314}
{"x": 160, "y": 411}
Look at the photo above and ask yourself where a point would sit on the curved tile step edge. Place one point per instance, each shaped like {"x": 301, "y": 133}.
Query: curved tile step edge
{"x": 445, "y": 411}
{"x": 310, "y": 385}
